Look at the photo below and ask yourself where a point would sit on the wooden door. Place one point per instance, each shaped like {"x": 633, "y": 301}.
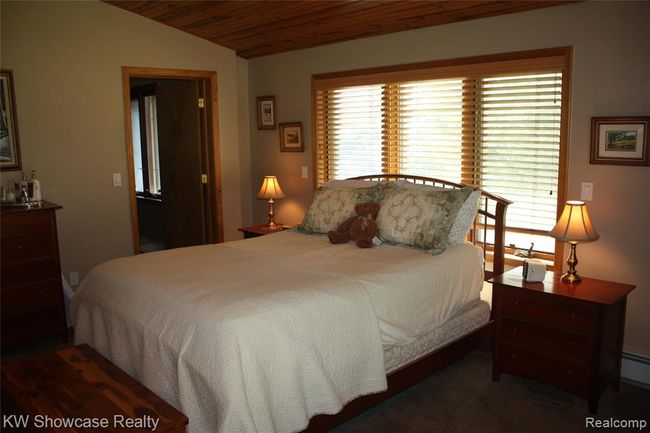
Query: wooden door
{"x": 181, "y": 165}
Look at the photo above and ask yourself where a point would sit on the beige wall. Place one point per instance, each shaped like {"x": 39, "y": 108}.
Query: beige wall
{"x": 67, "y": 59}
{"x": 611, "y": 77}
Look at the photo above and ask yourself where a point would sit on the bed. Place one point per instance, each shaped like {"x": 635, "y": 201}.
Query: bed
{"x": 288, "y": 332}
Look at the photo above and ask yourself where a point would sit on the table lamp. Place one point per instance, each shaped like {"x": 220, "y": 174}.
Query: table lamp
{"x": 270, "y": 190}
{"x": 573, "y": 226}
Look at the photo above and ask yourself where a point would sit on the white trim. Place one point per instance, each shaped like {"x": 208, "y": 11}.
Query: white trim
{"x": 635, "y": 369}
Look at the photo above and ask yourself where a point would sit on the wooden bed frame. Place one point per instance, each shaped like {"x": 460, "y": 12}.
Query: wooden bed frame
{"x": 491, "y": 215}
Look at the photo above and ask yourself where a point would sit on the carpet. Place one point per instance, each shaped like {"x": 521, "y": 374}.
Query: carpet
{"x": 462, "y": 398}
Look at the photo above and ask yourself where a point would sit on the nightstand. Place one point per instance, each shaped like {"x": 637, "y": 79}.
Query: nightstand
{"x": 568, "y": 336}
{"x": 255, "y": 231}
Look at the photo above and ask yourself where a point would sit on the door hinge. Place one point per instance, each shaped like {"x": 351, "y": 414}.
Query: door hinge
{"x": 201, "y": 103}
{"x": 204, "y": 178}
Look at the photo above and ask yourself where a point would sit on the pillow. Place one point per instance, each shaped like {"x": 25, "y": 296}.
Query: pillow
{"x": 332, "y": 206}
{"x": 419, "y": 218}
{"x": 466, "y": 214}
{"x": 350, "y": 183}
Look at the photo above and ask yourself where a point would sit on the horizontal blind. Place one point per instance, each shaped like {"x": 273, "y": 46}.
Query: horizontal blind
{"x": 425, "y": 120}
{"x": 518, "y": 142}
{"x": 348, "y": 127}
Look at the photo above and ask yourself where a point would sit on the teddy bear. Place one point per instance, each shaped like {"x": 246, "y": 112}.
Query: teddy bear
{"x": 361, "y": 228}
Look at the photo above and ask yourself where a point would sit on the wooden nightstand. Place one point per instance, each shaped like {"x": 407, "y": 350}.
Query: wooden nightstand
{"x": 569, "y": 336}
{"x": 255, "y": 231}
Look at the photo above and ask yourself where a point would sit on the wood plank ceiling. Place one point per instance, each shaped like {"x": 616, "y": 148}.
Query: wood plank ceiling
{"x": 259, "y": 28}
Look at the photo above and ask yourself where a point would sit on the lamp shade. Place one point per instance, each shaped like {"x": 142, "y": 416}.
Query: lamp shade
{"x": 574, "y": 224}
{"x": 270, "y": 188}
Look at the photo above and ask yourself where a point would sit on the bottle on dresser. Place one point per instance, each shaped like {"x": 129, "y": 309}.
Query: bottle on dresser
{"x": 34, "y": 188}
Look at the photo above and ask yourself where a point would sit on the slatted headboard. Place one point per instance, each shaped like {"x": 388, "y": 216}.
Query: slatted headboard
{"x": 491, "y": 217}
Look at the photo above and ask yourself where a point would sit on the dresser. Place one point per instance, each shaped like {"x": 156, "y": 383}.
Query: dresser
{"x": 30, "y": 280}
{"x": 566, "y": 335}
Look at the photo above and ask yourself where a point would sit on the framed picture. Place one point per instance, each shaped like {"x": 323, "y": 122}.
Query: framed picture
{"x": 619, "y": 140}
{"x": 266, "y": 112}
{"x": 9, "y": 145}
{"x": 291, "y": 137}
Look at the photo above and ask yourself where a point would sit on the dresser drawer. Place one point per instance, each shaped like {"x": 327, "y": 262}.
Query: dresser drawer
{"x": 25, "y": 248}
{"x": 25, "y": 224}
{"x": 29, "y": 271}
{"x": 564, "y": 374}
{"x": 523, "y": 334}
{"x": 32, "y": 325}
{"x": 547, "y": 309}
{"x": 40, "y": 294}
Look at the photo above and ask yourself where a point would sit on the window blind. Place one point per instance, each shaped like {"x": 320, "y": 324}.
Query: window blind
{"x": 518, "y": 143}
{"x": 348, "y": 132}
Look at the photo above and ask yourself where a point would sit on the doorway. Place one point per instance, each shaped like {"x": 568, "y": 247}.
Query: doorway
{"x": 173, "y": 157}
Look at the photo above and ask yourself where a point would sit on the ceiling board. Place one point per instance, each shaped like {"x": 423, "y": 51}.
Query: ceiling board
{"x": 258, "y": 28}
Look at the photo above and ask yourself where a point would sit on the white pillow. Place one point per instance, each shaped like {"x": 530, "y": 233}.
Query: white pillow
{"x": 466, "y": 214}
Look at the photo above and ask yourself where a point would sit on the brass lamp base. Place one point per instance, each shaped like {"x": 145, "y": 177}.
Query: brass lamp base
{"x": 271, "y": 224}
{"x": 572, "y": 275}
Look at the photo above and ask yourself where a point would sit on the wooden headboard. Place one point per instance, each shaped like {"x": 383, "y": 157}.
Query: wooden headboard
{"x": 491, "y": 216}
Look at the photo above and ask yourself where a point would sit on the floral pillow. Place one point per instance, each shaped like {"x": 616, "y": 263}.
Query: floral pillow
{"x": 465, "y": 217}
{"x": 332, "y": 206}
{"x": 421, "y": 219}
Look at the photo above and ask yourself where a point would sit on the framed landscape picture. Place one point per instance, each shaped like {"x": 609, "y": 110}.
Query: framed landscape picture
{"x": 9, "y": 145}
{"x": 266, "y": 112}
{"x": 291, "y": 137}
{"x": 619, "y": 140}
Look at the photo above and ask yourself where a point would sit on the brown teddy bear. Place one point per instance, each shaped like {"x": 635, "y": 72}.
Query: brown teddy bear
{"x": 360, "y": 228}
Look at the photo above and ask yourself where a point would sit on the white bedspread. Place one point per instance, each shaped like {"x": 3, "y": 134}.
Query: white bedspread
{"x": 412, "y": 292}
{"x": 240, "y": 341}
{"x": 261, "y": 334}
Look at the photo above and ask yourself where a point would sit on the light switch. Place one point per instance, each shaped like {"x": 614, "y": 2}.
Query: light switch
{"x": 305, "y": 172}
{"x": 587, "y": 192}
{"x": 117, "y": 179}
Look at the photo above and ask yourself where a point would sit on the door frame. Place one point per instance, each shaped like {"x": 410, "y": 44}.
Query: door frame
{"x": 211, "y": 134}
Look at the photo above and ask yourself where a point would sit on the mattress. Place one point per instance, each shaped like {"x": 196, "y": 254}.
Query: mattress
{"x": 468, "y": 319}
{"x": 413, "y": 293}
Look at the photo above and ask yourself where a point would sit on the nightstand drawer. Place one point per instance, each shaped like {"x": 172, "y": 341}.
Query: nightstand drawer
{"x": 564, "y": 374}
{"x": 25, "y": 248}
{"x": 26, "y": 224}
{"x": 19, "y": 298}
{"x": 523, "y": 334}
{"x": 548, "y": 310}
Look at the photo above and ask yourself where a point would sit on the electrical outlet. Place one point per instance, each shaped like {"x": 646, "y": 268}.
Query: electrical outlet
{"x": 305, "y": 172}
{"x": 117, "y": 179}
{"x": 74, "y": 278}
{"x": 587, "y": 192}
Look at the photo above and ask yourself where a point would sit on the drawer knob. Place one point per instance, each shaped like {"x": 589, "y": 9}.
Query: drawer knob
{"x": 516, "y": 302}
{"x": 571, "y": 344}
{"x": 569, "y": 372}
{"x": 515, "y": 330}
{"x": 19, "y": 247}
{"x": 514, "y": 355}
{"x": 573, "y": 315}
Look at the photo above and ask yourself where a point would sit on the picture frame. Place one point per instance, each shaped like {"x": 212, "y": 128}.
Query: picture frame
{"x": 619, "y": 140}
{"x": 9, "y": 143}
{"x": 266, "y": 112}
{"x": 292, "y": 138}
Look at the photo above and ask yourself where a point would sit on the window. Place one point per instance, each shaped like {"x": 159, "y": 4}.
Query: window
{"x": 145, "y": 141}
{"x": 497, "y": 122}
